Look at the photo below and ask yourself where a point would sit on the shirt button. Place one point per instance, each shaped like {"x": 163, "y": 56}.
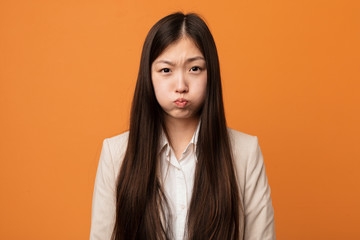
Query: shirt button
{"x": 182, "y": 206}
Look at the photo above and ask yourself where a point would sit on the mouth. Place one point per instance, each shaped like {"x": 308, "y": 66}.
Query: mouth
{"x": 181, "y": 102}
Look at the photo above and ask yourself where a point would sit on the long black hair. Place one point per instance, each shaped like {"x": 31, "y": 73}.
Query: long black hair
{"x": 142, "y": 210}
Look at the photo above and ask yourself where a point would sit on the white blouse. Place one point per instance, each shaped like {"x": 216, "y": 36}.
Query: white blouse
{"x": 178, "y": 179}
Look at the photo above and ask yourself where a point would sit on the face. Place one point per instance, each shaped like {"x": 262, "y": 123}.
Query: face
{"x": 179, "y": 78}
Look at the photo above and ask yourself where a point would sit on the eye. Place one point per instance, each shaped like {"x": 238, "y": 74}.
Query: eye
{"x": 195, "y": 69}
{"x": 165, "y": 70}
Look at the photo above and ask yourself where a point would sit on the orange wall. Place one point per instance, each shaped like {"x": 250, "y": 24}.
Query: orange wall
{"x": 290, "y": 69}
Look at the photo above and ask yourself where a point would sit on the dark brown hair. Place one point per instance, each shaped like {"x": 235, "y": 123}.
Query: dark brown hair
{"x": 142, "y": 210}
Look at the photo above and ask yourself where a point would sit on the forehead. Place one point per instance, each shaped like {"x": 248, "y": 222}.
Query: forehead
{"x": 185, "y": 47}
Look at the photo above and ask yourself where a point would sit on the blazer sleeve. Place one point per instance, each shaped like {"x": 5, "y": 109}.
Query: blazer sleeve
{"x": 259, "y": 212}
{"x": 104, "y": 200}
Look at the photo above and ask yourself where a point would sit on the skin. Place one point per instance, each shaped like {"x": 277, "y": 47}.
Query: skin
{"x": 179, "y": 73}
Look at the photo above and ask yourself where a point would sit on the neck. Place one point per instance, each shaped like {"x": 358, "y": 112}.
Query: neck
{"x": 180, "y": 132}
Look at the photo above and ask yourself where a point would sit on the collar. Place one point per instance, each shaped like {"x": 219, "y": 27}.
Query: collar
{"x": 164, "y": 143}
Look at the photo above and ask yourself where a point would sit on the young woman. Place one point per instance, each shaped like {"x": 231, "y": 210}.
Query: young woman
{"x": 180, "y": 172}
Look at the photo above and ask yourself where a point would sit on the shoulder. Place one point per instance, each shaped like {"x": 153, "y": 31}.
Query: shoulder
{"x": 242, "y": 144}
{"x": 240, "y": 136}
{"x": 118, "y": 141}
{"x": 245, "y": 149}
{"x": 117, "y": 146}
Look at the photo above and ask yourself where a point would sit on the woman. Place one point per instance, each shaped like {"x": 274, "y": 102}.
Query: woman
{"x": 179, "y": 172}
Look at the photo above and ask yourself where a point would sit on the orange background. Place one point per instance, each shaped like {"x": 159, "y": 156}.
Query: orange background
{"x": 290, "y": 71}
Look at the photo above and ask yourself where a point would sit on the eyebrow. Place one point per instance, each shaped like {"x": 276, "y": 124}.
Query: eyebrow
{"x": 187, "y": 60}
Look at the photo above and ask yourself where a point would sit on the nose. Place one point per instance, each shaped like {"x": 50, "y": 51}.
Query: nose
{"x": 181, "y": 84}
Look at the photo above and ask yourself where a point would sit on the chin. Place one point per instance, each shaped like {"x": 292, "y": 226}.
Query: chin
{"x": 182, "y": 116}
{"x": 179, "y": 117}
